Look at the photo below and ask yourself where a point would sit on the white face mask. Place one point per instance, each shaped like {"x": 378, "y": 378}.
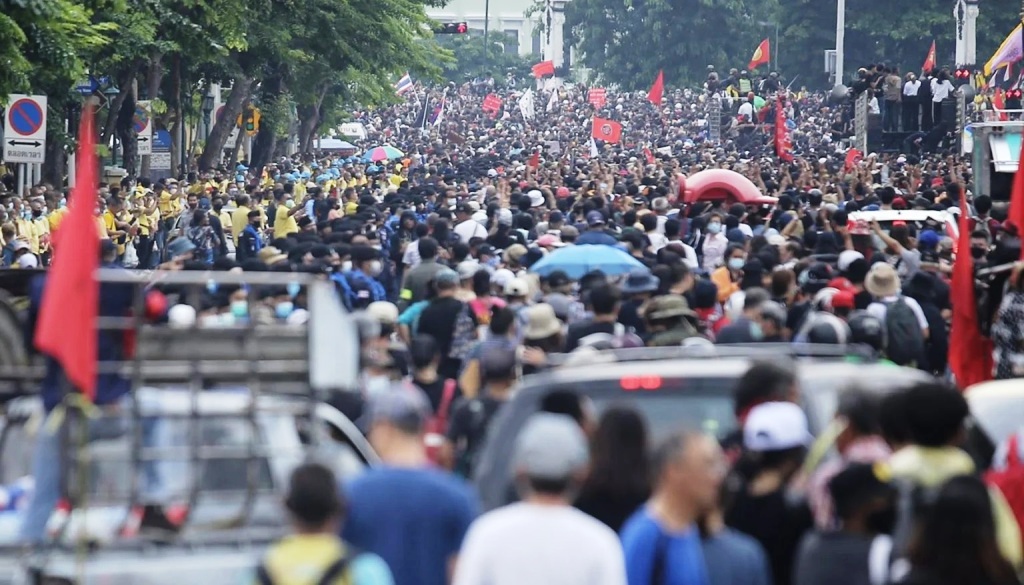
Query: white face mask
{"x": 346, "y": 266}
{"x": 375, "y": 268}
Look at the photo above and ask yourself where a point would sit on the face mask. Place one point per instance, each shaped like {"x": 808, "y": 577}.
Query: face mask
{"x": 37, "y": 213}
{"x": 63, "y": 203}
{"x": 978, "y": 253}
{"x": 375, "y": 268}
{"x": 736, "y": 263}
{"x": 290, "y": 203}
{"x": 882, "y": 521}
{"x": 376, "y": 385}
{"x": 239, "y": 309}
{"x": 714, "y": 228}
{"x": 173, "y": 190}
{"x": 756, "y": 331}
{"x": 283, "y": 309}
{"x": 346, "y": 266}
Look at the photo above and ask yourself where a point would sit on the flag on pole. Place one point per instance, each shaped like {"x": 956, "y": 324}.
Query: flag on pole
{"x": 970, "y": 352}
{"x": 404, "y": 84}
{"x": 593, "y": 148}
{"x": 607, "y": 130}
{"x": 1008, "y": 52}
{"x": 762, "y": 55}
{"x": 66, "y": 328}
{"x": 543, "y": 68}
{"x": 597, "y": 96}
{"x": 552, "y": 101}
{"x": 439, "y": 112}
{"x": 526, "y": 105}
{"x": 929, "y": 61}
{"x": 492, "y": 103}
{"x": 657, "y": 90}
{"x": 853, "y": 158}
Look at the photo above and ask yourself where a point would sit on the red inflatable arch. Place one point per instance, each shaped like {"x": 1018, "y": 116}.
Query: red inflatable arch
{"x": 722, "y": 184}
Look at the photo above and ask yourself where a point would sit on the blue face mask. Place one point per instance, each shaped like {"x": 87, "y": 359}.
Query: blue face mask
{"x": 714, "y": 227}
{"x": 284, "y": 309}
{"x": 240, "y": 309}
{"x": 756, "y": 331}
{"x": 736, "y": 263}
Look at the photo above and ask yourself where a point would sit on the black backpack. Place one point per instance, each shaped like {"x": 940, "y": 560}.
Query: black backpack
{"x": 906, "y": 341}
{"x": 333, "y": 572}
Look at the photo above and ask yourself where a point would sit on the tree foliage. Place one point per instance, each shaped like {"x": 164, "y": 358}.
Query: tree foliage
{"x": 472, "y": 59}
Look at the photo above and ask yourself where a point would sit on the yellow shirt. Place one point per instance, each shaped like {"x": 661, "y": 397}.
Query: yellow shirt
{"x": 101, "y": 227}
{"x": 239, "y": 219}
{"x": 284, "y": 224}
{"x": 55, "y": 217}
{"x": 41, "y": 226}
{"x": 110, "y": 224}
{"x": 302, "y": 559}
{"x": 149, "y": 223}
{"x": 168, "y": 204}
{"x": 225, "y": 220}
{"x": 25, "y": 229}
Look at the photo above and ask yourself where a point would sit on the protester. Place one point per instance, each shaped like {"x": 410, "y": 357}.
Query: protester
{"x": 619, "y": 481}
{"x": 314, "y": 554}
{"x": 543, "y": 539}
{"x": 412, "y": 515}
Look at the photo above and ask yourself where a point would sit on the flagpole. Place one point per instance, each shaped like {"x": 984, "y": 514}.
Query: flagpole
{"x": 840, "y": 38}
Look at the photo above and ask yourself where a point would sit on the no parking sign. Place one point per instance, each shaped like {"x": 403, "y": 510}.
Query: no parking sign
{"x": 25, "y": 129}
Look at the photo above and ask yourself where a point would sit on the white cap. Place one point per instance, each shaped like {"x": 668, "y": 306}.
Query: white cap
{"x": 536, "y": 198}
{"x": 846, "y": 257}
{"x": 480, "y": 217}
{"x": 776, "y": 426}
{"x": 467, "y": 268}
{"x": 502, "y": 277}
{"x": 181, "y": 316}
{"x": 517, "y": 287}
{"x": 28, "y": 261}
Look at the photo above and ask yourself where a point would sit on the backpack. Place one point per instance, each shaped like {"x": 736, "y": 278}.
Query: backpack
{"x": 906, "y": 342}
{"x": 476, "y": 433}
{"x": 333, "y": 572}
{"x": 463, "y": 335}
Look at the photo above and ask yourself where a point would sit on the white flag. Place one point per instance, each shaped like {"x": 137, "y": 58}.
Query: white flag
{"x": 665, "y": 150}
{"x": 593, "y": 147}
{"x": 526, "y": 104}
{"x": 553, "y": 101}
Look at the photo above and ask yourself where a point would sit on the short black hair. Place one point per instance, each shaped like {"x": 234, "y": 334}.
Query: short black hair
{"x": 566, "y": 402}
{"x": 423, "y": 350}
{"x": 763, "y": 382}
{"x": 427, "y": 248}
{"x": 861, "y": 410}
{"x": 604, "y": 299}
{"x": 935, "y": 413}
{"x": 313, "y": 495}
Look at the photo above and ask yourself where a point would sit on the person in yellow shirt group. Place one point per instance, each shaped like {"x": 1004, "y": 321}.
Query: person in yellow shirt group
{"x": 114, "y": 220}
{"x": 240, "y": 217}
{"x": 23, "y": 226}
{"x": 284, "y": 218}
{"x": 40, "y": 228}
{"x": 314, "y": 554}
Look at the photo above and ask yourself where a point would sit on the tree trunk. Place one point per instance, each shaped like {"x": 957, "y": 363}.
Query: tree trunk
{"x": 309, "y": 121}
{"x": 178, "y": 115}
{"x": 262, "y": 149}
{"x": 240, "y": 92}
{"x": 56, "y": 161}
{"x": 125, "y": 127}
{"x": 153, "y": 79}
{"x": 123, "y": 82}
{"x": 232, "y": 156}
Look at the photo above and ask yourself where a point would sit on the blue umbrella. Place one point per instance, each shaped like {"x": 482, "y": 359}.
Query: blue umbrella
{"x": 579, "y": 260}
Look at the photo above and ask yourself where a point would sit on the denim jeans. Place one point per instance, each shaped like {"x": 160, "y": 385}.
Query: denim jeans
{"x": 48, "y": 462}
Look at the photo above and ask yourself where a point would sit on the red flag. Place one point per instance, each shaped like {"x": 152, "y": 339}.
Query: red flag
{"x": 66, "y": 329}
{"x": 762, "y": 55}
{"x": 929, "y": 61}
{"x": 853, "y": 158}
{"x": 492, "y": 103}
{"x": 649, "y": 156}
{"x": 607, "y": 130}
{"x": 534, "y": 161}
{"x": 544, "y": 68}
{"x": 657, "y": 90}
{"x": 783, "y": 143}
{"x": 1016, "y": 213}
{"x": 970, "y": 353}
{"x": 597, "y": 97}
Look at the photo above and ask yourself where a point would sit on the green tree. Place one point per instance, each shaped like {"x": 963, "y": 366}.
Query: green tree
{"x": 473, "y": 59}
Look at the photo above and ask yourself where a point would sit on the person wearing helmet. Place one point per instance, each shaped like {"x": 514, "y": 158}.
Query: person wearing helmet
{"x": 869, "y": 332}
{"x": 824, "y": 328}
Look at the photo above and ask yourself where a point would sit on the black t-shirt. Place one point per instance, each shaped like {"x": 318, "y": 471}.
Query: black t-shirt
{"x": 836, "y": 558}
{"x": 777, "y": 523}
{"x": 434, "y": 391}
{"x": 438, "y": 321}
{"x": 578, "y": 331}
{"x": 612, "y": 509}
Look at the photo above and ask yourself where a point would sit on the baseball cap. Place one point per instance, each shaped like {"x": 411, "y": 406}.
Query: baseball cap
{"x": 402, "y": 405}
{"x": 843, "y": 300}
{"x": 446, "y": 277}
{"x": 467, "y": 268}
{"x": 776, "y": 426}
{"x": 595, "y": 218}
{"x": 517, "y": 287}
{"x": 550, "y": 446}
{"x": 846, "y": 257}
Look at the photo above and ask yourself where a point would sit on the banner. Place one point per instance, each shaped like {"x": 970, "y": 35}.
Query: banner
{"x": 526, "y": 105}
{"x": 597, "y": 97}
{"x": 783, "y": 142}
{"x": 606, "y": 130}
{"x": 543, "y": 68}
{"x": 492, "y": 103}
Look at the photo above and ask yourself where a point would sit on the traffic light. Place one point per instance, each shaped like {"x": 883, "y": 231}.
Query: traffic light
{"x": 962, "y": 76}
{"x": 252, "y": 121}
{"x": 452, "y": 28}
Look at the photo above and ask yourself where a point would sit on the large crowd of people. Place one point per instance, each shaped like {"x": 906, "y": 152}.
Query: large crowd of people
{"x": 457, "y": 249}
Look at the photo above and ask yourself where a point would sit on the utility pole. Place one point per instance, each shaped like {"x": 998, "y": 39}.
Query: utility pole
{"x": 840, "y": 37}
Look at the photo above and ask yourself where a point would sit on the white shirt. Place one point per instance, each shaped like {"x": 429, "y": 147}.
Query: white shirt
{"x": 910, "y": 88}
{"x": 658, "y": 241}
{"x": 878, "y": 309}
{"x": 529, "y": 544}
{"x": 470, "y": 229}
{"x": 691, "y": 254}
{"x": 714, "y": 250}
{"x": 411, "y": 257}
{"x": 747, "y": 109}
{"x": 941, "y": 89}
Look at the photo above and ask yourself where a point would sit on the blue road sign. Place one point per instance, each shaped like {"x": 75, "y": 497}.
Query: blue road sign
{"x": 162, "y": 140}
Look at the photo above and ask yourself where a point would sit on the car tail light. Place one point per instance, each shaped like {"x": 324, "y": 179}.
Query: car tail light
{"x": 636, "y": 383}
